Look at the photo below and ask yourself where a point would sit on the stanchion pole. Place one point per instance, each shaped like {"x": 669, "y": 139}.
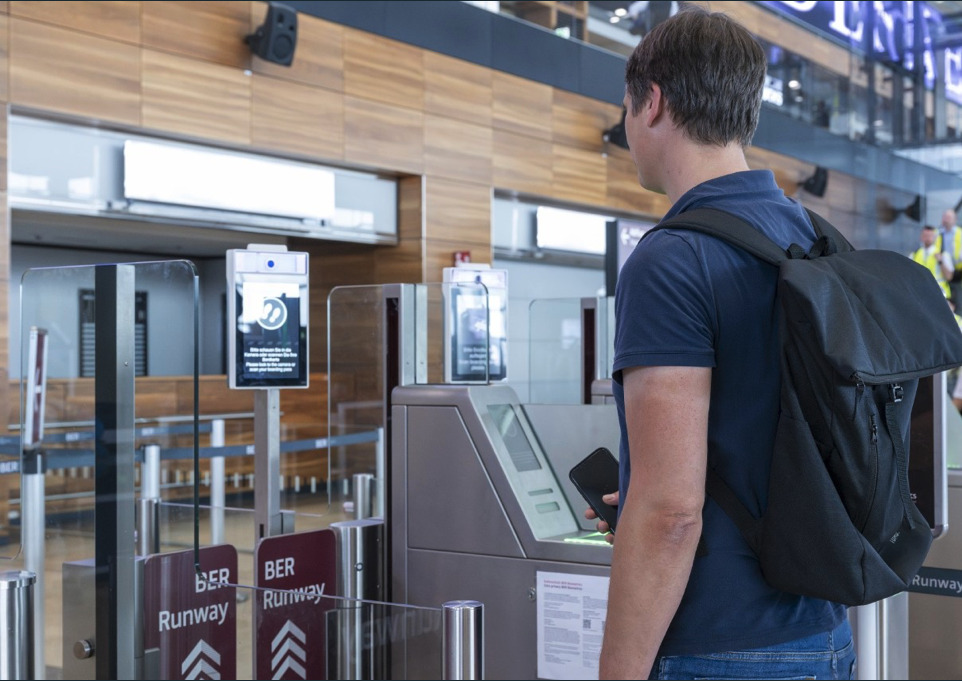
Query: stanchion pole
{"x": 16, "y": 625}
{"x": 148, "y": 535}
{"x": 33, "y": 519}
{"x": 359, "y": 577}
{"x": 462, "y": 648}
{"x": 218, "y": 499}
{"x": 363, "y": 502}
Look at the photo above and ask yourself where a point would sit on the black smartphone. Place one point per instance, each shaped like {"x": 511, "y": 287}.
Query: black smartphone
{"x": 594, "y": 476}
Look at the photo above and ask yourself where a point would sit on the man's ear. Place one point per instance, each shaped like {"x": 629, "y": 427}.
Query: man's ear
{"x": 654, "y": 105}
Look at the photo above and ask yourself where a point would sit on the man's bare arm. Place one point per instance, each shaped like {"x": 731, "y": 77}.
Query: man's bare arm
{"x": 666, "y": 409}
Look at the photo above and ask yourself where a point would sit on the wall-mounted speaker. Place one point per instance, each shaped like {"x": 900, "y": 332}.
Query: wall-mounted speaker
{"x": 616, "y": 133}
{"x": 817, "y": 183}
{"x": 276, "y": 38}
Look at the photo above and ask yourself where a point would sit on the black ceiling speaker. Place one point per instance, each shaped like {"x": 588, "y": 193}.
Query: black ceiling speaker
{"x": 914, "y": 209}
{"x": 276, "y": 38}
{"x": 817, "y": 183}
{"x": 616, "y": 134}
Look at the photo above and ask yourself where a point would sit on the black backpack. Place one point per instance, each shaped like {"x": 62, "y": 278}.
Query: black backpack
{"x": 857, "y": 329}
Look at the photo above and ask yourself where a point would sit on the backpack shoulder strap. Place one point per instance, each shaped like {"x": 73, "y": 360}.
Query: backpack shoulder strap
{"x": 736, "y": 231}
{"x": 823, "y": 228}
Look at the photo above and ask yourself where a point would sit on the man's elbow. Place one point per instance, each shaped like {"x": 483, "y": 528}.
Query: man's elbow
{"x": 678, "y": 526}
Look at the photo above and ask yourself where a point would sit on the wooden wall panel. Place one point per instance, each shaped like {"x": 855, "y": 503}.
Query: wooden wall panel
{"x": 4, "y": 66}
{"x": 383, "y": 136}
{"x": 211, "y": 31}
{"x": 118, "y": 21}
{"x": 73, "y": 73}
{"x": 457, "y": 212}
{"x": 302, "y": 119}
{"x": 625, "y": 193}
{"x": 522, "y": 106}
{"x": 522, "y": 163}
{"x": 411, "y": 207}
{"x": 437, "y": 256}
{"x": 578, "y": 121}
{"x": 457, "y": 89}
{"x": 9, "y": 400}
{"x": 578, "y": 175}
{"x": 195, "y": 98}
{"x": 401, "y": 264}
{"x": 318, "y": 55}
{"x": 383, "y": 70}
{"x": 457, "y": 149}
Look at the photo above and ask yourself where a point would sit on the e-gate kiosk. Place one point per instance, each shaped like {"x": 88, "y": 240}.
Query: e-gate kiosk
{"x": 480, "y": 507}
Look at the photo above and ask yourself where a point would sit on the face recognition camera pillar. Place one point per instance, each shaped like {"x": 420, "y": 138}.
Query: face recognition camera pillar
{"x": 267, "y": 317}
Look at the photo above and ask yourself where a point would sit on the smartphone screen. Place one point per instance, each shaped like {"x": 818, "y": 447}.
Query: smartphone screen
{"x": 595, "y": 476}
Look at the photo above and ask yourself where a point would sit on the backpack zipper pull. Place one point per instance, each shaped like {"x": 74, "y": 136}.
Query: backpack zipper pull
{"x": 874, "y": 429}
{"x": 859, "y": 387}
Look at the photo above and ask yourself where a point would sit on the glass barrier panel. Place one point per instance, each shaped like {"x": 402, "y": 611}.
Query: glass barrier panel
{"x": 356, "y": 356}
{"x": 435, "y": 333}
{"x": 556, "y": 351}
{"x": 143, "y": 395}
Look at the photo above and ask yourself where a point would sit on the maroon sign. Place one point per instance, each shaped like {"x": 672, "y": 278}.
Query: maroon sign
{"x": 190, "y": 617}
{"x": 294, "y": 571}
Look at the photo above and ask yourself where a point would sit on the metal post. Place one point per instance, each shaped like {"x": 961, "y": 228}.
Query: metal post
{"x": 380, "y": 463}
{"x": 114, "y": 482}
{"x": 363, "y": 503}
{"x": 462, "y": 647}
{"x": 34, "y": 521}
{"x": 894, "y": 637}
{"x": 148, "y": 535}
{"x": 218, "y": 497}
{"x": 16, "y": 623}
{"x": 359, "y": 577}
{"x": 267, "y": 462}
{"x": 867, "y": 641}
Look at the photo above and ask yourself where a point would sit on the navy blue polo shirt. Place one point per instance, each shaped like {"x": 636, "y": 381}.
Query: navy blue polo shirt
{"x": 687, "y": 299}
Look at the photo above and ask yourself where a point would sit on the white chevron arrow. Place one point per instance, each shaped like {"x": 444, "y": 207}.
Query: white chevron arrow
{"x": 201, "y": 647}
{"x": 288, "y": 628}
{"x": 293, "y": 666}
{"x": 289, "y": 647}
{"x": 203, "y": 668}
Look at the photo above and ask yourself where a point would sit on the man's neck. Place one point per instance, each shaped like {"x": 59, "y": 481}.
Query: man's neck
{"x": 691, "y": 164}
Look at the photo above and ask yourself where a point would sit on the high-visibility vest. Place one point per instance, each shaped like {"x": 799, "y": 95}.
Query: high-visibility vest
{"x": 931, "y": 261}
{"x": 956, "y": 246}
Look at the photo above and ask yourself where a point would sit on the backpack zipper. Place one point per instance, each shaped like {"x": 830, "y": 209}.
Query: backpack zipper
{"x": 868, "y": 507}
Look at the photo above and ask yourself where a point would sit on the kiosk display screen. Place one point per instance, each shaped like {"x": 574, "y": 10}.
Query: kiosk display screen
{"x": 271, "y": 335}
{"x": 514, "y": 438}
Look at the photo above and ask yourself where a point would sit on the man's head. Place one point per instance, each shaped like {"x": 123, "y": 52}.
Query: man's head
{"x": 948, "y": 219}
{"x": 928, "y": 235}
{"x": 710, "y": 71}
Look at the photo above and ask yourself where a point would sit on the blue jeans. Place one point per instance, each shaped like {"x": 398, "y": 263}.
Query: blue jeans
{"x": 829, "y": 655}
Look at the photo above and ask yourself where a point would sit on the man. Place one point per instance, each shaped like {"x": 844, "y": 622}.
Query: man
{"x": 696, "y": 381}
{"x": 950, "y": 241}
{"x": 931, "y": 255}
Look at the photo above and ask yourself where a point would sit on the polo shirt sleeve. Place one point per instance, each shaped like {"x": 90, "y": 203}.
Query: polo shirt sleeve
{"x": 664, "y": 307}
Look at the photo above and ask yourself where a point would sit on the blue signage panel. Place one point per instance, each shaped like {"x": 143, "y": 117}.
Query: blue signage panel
{"x": 887, "y": 29}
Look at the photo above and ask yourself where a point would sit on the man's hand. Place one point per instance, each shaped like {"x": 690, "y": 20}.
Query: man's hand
{"x": 602, "y": 526}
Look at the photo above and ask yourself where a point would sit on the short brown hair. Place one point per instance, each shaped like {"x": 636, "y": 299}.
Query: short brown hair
{"x": 710, "y": 70}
